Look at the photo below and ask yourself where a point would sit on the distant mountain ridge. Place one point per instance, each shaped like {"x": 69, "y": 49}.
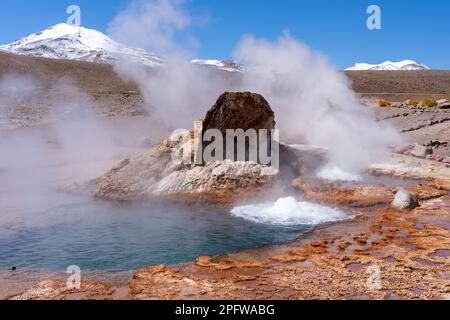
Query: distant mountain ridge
{"x": 69, "y": 42}
{"x": 404, "y": 65}
{"x": 225, "y": 65}
{"x": 64, "y": 41}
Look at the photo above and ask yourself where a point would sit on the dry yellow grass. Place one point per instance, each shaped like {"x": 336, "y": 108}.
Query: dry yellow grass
{"x": 412, "y": 102}
{"x": 428, "y": 103}
{"x": 383, "y": 103}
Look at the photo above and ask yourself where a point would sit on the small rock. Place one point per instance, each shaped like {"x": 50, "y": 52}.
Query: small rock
{"x": 316, "y": 244}
{"x": 405, "y": 200}
{"x": 436, "y": 144}
{"x": 420, "y": 151}
{"x": 444, "y": 105}
{"x": 204, "y": 261}
{"x": 435, "y": 157}
{"x": 397, "y": 105}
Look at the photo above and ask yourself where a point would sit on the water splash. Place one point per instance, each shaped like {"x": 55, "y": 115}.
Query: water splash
{"x": 289, "y": 212}
{"x": 334, "y": 173}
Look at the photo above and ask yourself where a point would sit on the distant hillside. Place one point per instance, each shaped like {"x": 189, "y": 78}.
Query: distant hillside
{"x": 94, "y": 77}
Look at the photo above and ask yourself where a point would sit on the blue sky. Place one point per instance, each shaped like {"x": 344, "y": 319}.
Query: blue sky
{"x": 417, "y": 29}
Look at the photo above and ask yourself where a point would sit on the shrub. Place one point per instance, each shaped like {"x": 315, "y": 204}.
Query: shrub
{"x": 383, "y": 103}
{"x": 412, "y": 102}
{"x": 428, "y": 103}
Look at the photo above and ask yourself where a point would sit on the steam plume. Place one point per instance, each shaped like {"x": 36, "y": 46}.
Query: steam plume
{"x": 313, "y": 102}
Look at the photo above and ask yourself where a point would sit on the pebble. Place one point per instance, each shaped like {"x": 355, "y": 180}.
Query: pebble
{"x": 405, "y": 200}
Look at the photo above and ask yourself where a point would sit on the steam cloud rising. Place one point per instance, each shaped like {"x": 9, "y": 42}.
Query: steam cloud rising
{"x": 72, "y": 145}
{"x": 150, "y": 24}
{"x": 313, "y": 102}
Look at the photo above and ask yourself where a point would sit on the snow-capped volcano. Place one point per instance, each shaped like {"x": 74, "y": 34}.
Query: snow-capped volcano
{"x": 69, "y": 42}
{"x": 64, "y": 41}
{"x": 389, "y": 65}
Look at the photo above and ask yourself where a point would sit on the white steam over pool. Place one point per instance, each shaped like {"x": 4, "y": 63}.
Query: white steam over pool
{"x": 333, "y": 173}
{"x": 289, "y": 212}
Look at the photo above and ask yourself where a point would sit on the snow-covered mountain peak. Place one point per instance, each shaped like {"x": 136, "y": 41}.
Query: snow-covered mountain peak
{"x": 89, "y": 37}
{"x": 64, "y": 41}
{"x": 225, "y": 65}
{"x": 70, "y": 42}
{"x": 389, "y": 65}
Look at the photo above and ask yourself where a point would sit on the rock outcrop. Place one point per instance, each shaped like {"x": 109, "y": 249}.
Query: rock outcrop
{"x": 215, "y": 176}
{"x": 240, "y": 110}
{"x": 420, "y": 151}
{"x": 154, "y": 174}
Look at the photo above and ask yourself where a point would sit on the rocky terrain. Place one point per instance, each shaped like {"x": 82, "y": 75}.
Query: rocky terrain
{"x": 114, "y": 96}
{"x": 398, "y": 86}
{"x": 421, "y": 125}
{"x": 109, "y": 96}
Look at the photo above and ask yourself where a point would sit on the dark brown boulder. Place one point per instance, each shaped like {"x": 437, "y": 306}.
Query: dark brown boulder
{"x": 240, "y": 110}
